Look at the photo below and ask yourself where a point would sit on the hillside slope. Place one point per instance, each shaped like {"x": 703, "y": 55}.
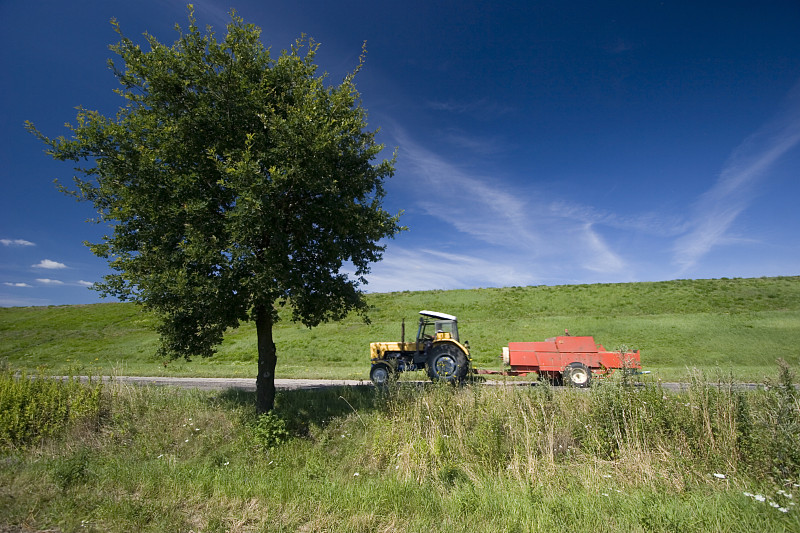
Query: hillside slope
{"x": 722, "y": 326}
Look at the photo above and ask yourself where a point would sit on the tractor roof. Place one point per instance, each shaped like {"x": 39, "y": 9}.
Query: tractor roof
{"x": 434, "y": 314}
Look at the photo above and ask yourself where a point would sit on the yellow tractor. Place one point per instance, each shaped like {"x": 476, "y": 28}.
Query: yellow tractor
{"x": 436, "y": 349}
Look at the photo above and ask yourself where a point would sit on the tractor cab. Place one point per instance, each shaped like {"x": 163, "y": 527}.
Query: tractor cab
{"x": 435, "y": 326}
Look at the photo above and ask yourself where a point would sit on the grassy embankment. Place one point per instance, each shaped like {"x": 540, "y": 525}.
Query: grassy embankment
{"x": 737, "y": 326}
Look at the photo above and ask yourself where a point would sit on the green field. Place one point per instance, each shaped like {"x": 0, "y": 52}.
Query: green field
{"x": 735, "y": 327}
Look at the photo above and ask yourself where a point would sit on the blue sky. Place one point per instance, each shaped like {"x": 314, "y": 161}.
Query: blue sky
{"x": 538, "y": 142}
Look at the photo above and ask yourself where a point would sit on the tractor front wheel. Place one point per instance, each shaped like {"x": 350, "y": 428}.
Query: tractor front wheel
{"x": 577, "y": 375}
{"x": 447, "y": 363}
{"x": 382, "y": 374}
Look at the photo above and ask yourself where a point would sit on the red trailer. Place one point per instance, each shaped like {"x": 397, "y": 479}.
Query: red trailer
{"x": 567, "y": 358}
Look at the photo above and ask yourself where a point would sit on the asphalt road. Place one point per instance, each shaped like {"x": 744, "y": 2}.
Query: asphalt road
{"x": 249, "y": 384}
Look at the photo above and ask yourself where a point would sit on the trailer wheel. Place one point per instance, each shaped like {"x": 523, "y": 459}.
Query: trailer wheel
{"x": 382, "y": 374}
{"x": 447, "y": 363}
{"x": 577, "y": 375}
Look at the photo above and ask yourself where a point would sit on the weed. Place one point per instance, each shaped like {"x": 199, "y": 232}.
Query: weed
{"x": 784, "y": 410}
{"x": 269, "y": 431}
{"x": 71, "y": 470}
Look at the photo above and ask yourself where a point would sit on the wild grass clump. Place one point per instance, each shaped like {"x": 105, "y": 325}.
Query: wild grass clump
{"x": 647, "y": 433}
{"x": 35, "y": 407}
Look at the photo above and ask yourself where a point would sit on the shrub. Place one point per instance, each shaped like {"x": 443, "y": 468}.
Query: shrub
{"x": 269, "y": 431}
{"x": 35, "y": 407}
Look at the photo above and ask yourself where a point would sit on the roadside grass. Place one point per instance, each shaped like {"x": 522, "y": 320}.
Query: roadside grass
{"x": 737, "y": 326}
{"x": 419, "y": 458}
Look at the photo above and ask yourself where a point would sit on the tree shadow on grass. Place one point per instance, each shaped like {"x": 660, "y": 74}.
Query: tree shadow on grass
{"x": 303, "y": 408}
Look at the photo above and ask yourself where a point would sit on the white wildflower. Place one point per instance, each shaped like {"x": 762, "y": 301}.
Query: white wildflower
{"x": 356, "y": 474}
{"x": 783, "y": 509}
{"x": 748, "y": 494}
{"x": 719, "y": 476}
{"x": 759, "y": 498}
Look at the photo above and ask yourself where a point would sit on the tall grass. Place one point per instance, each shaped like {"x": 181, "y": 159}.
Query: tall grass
{"x": 33, "y": 408}
{"x": 419, "y": 458}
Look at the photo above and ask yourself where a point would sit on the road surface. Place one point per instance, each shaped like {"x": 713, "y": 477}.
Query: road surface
{"x": 249, "y": 384}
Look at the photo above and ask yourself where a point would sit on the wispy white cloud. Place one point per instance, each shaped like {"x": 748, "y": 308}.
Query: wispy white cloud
{"x": 47, "y": 281}
{"x": 49, "y": 265}
{"x": 482, "y": 108}
{"x": 426, "y": 269}
{"x": 476, "y": 205}
{"x": 83, "y": 283}
{"x": 650, "y": 223}
{"x": 16, "y": 242}
{"x": 524, "y": 236}
{"x": 602, "y": 258}
{"x": 10, "y": 284}
{"x": 475, "y": 145}
{"x": 718, "y": 208}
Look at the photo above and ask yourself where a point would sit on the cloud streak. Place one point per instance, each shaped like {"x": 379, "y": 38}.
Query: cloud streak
{"x": 475, "y": 205}
{"x": 718, "y": 208}
{"x": 47, "y": 281}
{"x": 514, "y": 236}
{"x": 428, "y": 269}
{"x": 16, "y": 242}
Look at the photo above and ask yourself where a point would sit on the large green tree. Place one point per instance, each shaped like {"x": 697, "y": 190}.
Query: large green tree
{"x": 233, "y": 183}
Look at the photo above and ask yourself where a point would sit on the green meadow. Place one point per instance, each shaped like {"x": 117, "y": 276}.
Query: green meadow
{"x": 624, "y": 455}
{"x": 734, "y": 326}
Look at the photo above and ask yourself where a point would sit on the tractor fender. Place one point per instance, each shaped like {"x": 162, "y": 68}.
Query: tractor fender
{"x": 455, "y": 343}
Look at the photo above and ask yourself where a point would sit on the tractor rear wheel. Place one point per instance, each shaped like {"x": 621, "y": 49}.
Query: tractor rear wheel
{"x": 447, "y": 363}
{"x": 382, "y": 374}
{"x": 577, "y": 375}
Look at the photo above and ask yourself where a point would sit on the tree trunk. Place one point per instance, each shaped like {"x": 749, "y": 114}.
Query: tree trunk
{"x": 267, "y": 358}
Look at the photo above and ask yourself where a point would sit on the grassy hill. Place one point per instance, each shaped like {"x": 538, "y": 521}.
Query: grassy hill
{"x": 734, "y": 327}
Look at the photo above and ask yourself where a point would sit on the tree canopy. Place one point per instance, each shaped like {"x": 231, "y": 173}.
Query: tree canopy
{"x": 233, "y": 183}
